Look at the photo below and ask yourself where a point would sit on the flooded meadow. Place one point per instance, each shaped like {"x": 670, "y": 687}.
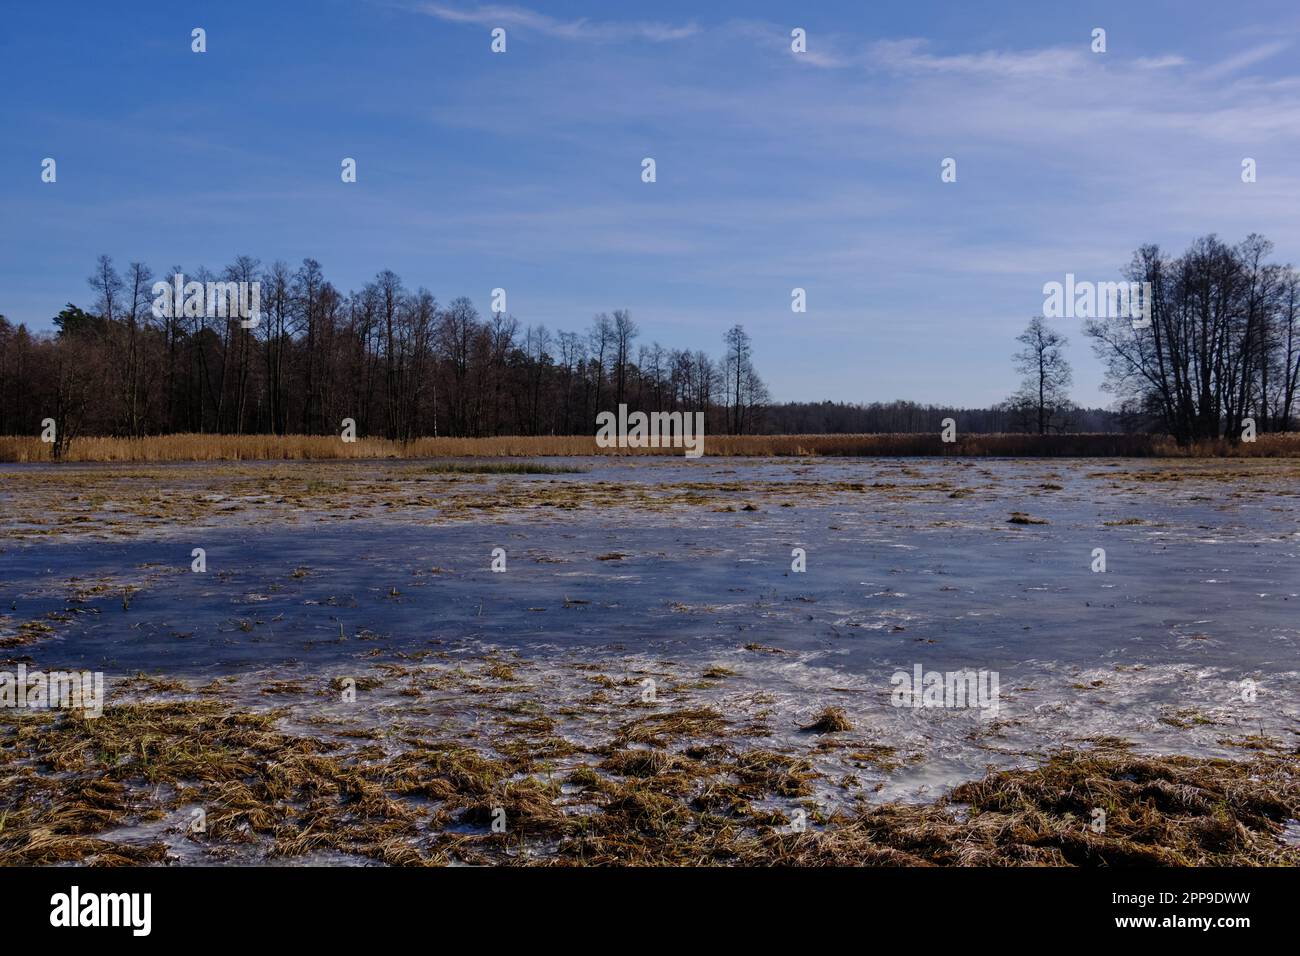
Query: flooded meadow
{"x": 654, "y": 660}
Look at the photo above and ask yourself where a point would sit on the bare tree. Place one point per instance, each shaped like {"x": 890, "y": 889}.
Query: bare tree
{"x": 743, "y": 390}
{"x": 600, "y": 337}
{"x": 1213, "y": 348}
{"x": 625, "y": 331}
{"x": 1044, "y": 393}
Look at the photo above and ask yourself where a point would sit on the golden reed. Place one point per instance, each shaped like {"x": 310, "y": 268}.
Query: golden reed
{"x": 193, "y": 447}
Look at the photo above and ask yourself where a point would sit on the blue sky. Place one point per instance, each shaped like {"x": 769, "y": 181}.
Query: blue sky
{"x": 522, "y": 170}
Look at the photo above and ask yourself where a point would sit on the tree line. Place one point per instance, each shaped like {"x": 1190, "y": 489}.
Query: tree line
{"x": 1220, "y": 344}
{"x": 395, "y": 360}
{"x": 904, "y": 417}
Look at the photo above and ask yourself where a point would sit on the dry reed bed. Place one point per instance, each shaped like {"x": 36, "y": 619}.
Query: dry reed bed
{"x": 193, "y": 447}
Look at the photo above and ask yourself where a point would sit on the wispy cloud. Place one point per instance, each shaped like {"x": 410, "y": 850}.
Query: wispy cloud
{"x": 910, "y": 55}
{"x": 1160, "y": 62}
{"x": 821, "y": 49}
{"x": 1239, "y": 61}
{"x": 580, "y": 29}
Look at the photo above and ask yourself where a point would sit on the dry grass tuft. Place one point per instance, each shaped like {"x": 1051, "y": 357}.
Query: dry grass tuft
{"x": 659, "y": 730}
{"x": 1019, "y": 517}
{"x": 829, "y": 721}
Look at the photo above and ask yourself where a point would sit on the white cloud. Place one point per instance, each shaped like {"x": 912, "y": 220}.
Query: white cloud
{"x": 823, "y": 49}
{"x": 1160, "y": 62}
{"x": 909, "y": 55}
{"x": 1240, "y": 61}
{"x": 580, "y": 29}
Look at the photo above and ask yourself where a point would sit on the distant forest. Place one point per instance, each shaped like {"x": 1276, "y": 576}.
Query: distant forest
{"x": 395, "y": 360}
{"x": 1223, "y": 345}
{"x": 844, "y": 418}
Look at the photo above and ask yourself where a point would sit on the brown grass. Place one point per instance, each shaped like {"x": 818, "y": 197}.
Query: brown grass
{"x": 656, "y": 794}
{"x": 1158, "y": 811}
{"x": 831, "y": 720}
{"x": 1019, "y": 517}
{"x": 22, "y": 448}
